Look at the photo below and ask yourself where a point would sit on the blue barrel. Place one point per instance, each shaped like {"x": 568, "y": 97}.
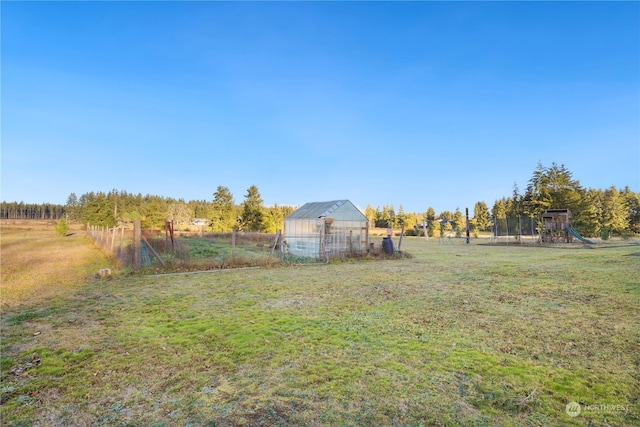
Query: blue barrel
{"x": 387, "y": 246}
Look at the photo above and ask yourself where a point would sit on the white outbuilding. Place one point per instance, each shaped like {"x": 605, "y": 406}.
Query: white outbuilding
{"x": 322, "y": 229}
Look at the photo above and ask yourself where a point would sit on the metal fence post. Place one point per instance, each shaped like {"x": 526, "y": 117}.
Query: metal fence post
{"x": 137, "y": 232}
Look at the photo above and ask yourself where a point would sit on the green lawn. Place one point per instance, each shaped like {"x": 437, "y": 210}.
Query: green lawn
{"x": 455, "y": 335}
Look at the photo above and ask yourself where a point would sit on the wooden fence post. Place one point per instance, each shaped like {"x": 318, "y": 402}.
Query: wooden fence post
{"x": 275, "y": 243}
{"x": 281, "y": 245}
{"x": 113, "y": 239}
{"x": 233, "y": 243}
{"x": 137, "y": 233}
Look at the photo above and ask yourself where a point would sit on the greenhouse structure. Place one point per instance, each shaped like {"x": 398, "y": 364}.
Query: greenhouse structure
{"x": 324, "y": 229}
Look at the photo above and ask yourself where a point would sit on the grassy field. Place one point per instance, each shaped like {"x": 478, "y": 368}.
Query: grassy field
{"x": 455, "y": 335}
{"x": 37, "y": 264}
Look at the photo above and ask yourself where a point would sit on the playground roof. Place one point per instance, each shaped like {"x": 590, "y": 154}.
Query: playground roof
{"x": 550, "y": 212}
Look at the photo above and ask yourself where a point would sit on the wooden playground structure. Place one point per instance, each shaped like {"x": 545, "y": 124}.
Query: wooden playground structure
{"x": 558, "y": 227}
{"x": 556, "y": 223}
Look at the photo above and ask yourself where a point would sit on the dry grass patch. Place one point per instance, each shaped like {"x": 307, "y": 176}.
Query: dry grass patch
{"x": 37, "y": 264}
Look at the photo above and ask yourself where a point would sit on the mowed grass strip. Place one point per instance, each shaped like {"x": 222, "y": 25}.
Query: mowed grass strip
{"x": 455, "y": 335}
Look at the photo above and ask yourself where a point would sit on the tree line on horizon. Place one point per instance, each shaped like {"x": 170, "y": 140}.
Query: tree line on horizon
{"x": 594, "y": 211}
{"x": 116, "y": 207}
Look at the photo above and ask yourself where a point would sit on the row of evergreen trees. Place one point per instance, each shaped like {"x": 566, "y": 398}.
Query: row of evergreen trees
{"x": 387, "y": 217}
{"x": 21, "y": 210}
{"x": 222, "y": 214}
{"x": 612, "y": 209}
{"x": 108, "y": 209}
{"x": 594, "y": 211}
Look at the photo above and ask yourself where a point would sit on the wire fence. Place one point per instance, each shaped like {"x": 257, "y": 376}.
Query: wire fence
{"x": 515, "y": 230}
{"x": 116, "y": 241}
{"x": 185, "y": 250}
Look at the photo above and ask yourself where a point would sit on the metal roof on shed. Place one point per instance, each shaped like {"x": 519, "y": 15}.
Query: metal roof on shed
{"x": 327, "y": 209}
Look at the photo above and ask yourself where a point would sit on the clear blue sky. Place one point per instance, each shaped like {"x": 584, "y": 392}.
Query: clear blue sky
{"x": 423, "y": 104}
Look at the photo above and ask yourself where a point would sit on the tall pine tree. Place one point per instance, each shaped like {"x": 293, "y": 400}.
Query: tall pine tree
{"x": 223, "y": 210}
{"x": 252, "y": 211}
{"x": 481, "y": 216}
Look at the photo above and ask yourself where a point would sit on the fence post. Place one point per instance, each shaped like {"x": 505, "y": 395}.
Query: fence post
{"x": 137, "y": 232}
{"x": 466, "y": 211}
{"x": 113, "y": 238}
{"x": 233, "y": 243}
{"x": 520, "y": 228}
{"x": 494, "y": 237}
{"x": 166, "y": 235}
{"x": 506, "y": 221}
{"x": 281, "y": 245}
{"x": 121, "y": 243}
{"x": 275, "y": 243}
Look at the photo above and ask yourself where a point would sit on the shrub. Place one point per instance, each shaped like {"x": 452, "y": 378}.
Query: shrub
{"x": 62, "y": 227}
{"x": 626, "y": 234}
{"x": 413, "y": 232}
